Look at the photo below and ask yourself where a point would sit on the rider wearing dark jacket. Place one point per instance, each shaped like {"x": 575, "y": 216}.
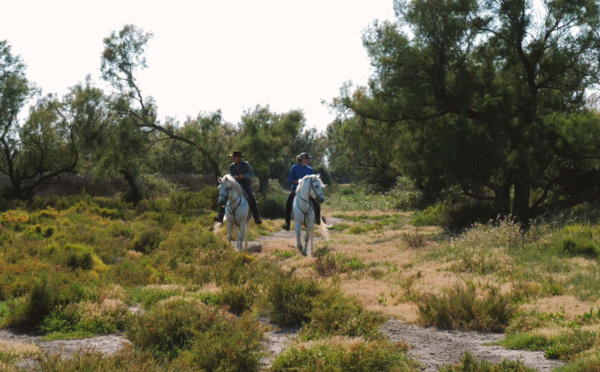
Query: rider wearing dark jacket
{"x": 297, "y": 172}
{"x": 242, "y": 172}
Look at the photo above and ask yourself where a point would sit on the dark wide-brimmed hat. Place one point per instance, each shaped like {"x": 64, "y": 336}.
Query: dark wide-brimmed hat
{"x": 304, "y": 155}
{"x": 237, "y": 153}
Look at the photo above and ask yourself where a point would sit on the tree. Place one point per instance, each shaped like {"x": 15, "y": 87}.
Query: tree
{"x": 45, "y": 146}
{"x": 123, "y": 55}
{"x": 470, "y": 89}
{"x": 268, "y": 138}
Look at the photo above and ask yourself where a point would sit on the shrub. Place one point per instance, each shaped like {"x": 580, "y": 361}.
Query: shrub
{"x": 290, "y": 300}
{"x": 28, "y": 315}
{"x": 127, "y": 359}
{"x": 272, "y": 206}
{"x": 470, "y": 364}
{"x": 431, "y": 216}
{"x": 239, "y": 298}
{"x": 464, "y": 214}
{"x": 342, "y": 355}
{"x": 85, "y": 319}
{"x": 231, "y": 346}
{"x": 77, "y": 256}
{"x": 461, "y": 308}
{"x": 189, "y": 203}
{"x": 568, "y": 345}
{"x": 580, "y": 247}
{"x": 179, "y": 324}
{"x": 333, "y": 314}
{"x": 149, "y": 239}
{"x": 150, "y": 295}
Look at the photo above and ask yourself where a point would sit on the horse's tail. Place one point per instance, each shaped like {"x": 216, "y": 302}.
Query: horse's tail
{"x": 323, "y": 230}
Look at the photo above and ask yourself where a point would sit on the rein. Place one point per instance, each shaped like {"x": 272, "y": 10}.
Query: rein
{"x": 310, "y": 205}
{"x": 234, "y": 203}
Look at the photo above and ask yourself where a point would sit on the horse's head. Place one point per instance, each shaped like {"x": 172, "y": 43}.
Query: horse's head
{"x": 316, "y": 188}
{"x": 224, "y": 189}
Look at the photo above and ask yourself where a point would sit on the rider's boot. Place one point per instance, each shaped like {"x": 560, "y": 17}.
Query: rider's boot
{"x": 255, "y": 214}
{"x": 288, "y": 211}
{"x": 317, "y": 207}
{"x": 220, "y": 214}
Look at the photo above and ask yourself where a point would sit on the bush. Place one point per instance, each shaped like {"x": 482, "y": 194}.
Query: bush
{"x": 230, "y": 346}
{"x": 149, "y": 239}
{"x": 432, "y": 216}
{"x": 290, "y": 300}
{"x": 127, "y": 359}
{"x": 189, "y": 203}
{"x": 333, "y": 314}
{"x": 28, "y": 315}
{"x": 464, "y": 214}
{"x": 580, "y": 247}
{"x": 470, "y": 364}
{"x": 188, "y": 327}
{"x": 343, "y": 355}
{"x": 461, "y": 308}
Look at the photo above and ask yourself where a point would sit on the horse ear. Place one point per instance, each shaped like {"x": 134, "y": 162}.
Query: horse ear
{"x": 220, "y": 179}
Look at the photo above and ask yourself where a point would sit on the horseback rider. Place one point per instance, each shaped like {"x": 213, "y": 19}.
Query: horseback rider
{"x": 297, "y": 171}
{"x": 242, "y": 172}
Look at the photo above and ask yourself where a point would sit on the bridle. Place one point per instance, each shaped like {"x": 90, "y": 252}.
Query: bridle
{"x": 233, "y": 204}
{"x": 310, "y": 205}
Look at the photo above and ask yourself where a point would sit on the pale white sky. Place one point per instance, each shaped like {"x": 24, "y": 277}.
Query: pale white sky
{"x": 205, "y": 54}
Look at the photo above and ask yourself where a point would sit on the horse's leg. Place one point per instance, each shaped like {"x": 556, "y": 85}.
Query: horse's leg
{"x": 312, "y": 237}
{"x": 309, "y": 228}
{"x": 246, "y": 235}
{"x": 242, "y": 235}
{"x": 229, "y": 229}
{"x": 298, "y": 232}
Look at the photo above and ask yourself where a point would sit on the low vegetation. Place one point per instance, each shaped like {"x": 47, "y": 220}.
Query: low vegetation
{"x": 81, "y": 266}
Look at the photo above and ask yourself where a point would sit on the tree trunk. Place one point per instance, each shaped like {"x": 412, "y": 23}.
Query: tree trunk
{"x": 521, "y": 201}
{"x": 136, "y": 195}
{"x": 502, "y": 199}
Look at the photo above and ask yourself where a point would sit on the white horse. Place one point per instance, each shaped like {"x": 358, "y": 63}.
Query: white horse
{"x": 237, "y": 209}
{"x": 303, "y": 211}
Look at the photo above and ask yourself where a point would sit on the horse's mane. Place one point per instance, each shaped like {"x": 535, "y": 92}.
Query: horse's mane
{"x": 234, "y": 184}
{"x": 302, "y": 182}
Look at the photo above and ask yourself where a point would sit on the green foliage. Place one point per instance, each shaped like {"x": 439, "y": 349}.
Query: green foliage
{"x": 332, "y": 314}
{"x": 187, "y": 327}
{"x": 431, "y": 216}
{"x": 468, "y": 363}
{"x": 86, "y": 319}
{"x": 340, "y": 355}
{"x": 462, "y": 308}
{"x": 77, "y": 256}
{"x": 272, "y": 205}
{"x": 466, "y": 213}
{"x": 525, "y": 341}
{"x": 290, "y": 300}
{"x": 149, "y": 296}
{"x": 402, "y": 196}
{"x": 189, "y": 203}
{"x": 234, "y": 345}
{"x": 580, "y": 247}
{"x": 29, "y": 314}
{"x": 127, "y": 359}
{"x": 148, "y": 239}
{"x": 568, "y": 345}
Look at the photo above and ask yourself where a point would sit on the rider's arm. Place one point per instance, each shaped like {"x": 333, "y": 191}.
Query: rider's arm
{"x": 250, "y": 172}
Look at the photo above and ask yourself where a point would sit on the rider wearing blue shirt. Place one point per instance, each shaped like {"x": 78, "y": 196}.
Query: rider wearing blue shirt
{"x": 242, "y": 172}
{"x": 297, "y": 171}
